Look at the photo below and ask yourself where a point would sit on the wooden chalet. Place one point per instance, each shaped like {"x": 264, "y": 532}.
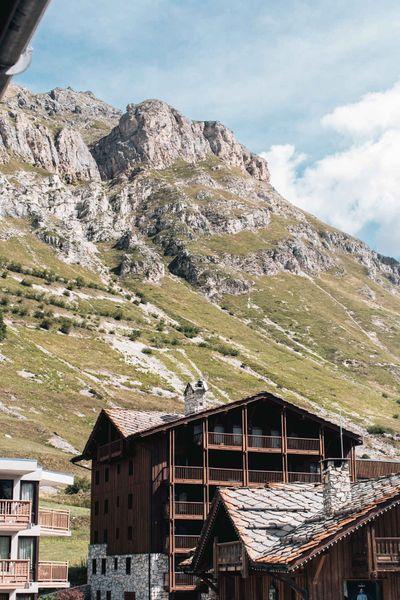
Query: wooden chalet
{"x": 155, "y": 475}
{"x": 287, "y": 542}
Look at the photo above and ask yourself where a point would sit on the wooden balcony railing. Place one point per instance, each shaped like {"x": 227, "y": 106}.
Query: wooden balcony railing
{"x": 226, "y": 476}
{"x": 296, "y": 477}
{"x": 54, "y": 520}
{"x": 52, "y": 572}
{"x": 110, "y": 450}
{"x": 14, "y": 573}
{"x": 261, "y": 477}
{"x": 387, "y": 552}
{"x": 189, "y": 473}
{"x": 303, "y": 444}
{"x": 369, "y": 469}
{"x": 189, "y": 509}
{"x": 186, "y": 542}
{"x": 261, "y": 442}
{"x": 229, "y": 554}
{"x": 233, "y": 440}
{"x": 15, "y": 511}
{"x": 185, "y": 580}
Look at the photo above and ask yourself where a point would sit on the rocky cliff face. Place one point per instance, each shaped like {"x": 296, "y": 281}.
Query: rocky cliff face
{"x": 157, "y": 176}
{"x": 244, "y": 287}
{"x": 155, "y": 135}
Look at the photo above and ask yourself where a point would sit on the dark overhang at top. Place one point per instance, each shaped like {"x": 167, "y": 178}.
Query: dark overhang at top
{"x": 18, "y": 21}
{"x": 148, "y": 423}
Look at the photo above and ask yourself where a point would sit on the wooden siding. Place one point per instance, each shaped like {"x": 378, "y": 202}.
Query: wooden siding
{"x": 155, "y": 484}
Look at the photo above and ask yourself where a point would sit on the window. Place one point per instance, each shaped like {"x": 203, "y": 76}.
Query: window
{"x": 6, "y": 489}
{"x": 97, "y": 481}
{"x": 103, "y": 566}
{"x": 118, "y": 469}
{"x": 130, "y": 500}
{"x": 117, "y": 501}
{"x": 117, "y": 533}
{"x": 94, "y": 566}
{"x": 105, "y": 536}
{"x": 128, "y": 565}
{"x": 130, "y": 467}
{"x": 106, "y": 506}
{"x": 108, "y": 594}
{"x": 98, "y": 595}
{"x": 115, "y": 564}
{"x": 106, "y": 474}
{"x": 95, "y": 537}
{"x": 130, "y": 532}
{"x": 96, "y": 508}
{"x": 5, "y": 546}
{"x": 129, "y": 596}
{"x": 27, "y": 548}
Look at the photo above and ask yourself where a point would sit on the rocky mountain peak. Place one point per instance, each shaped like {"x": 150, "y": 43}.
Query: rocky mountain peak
{"x": 156, "y": 134}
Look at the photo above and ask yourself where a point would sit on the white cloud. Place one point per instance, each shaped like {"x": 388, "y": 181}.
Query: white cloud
{"x": 358, "y": 188}
{"x": 374, "y": 113}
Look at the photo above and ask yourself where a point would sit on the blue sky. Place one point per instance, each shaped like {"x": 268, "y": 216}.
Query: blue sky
{"x": 272, "y": 71}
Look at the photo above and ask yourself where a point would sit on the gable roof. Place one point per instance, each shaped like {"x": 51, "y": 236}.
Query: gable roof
{"x": 144, "y": 423}
{"x": 283, "y": 526}
{"x": 131, "y": 422}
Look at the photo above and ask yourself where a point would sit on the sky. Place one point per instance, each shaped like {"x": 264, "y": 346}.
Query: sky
{"x": 312, "y": 86}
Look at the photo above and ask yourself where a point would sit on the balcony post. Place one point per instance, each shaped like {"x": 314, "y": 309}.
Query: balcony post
{"x": 284, "y": 446}
{"x": 171, "y": 548}
{"x": 371, "y": 546}
{"x": 245, "y": 451}
{"x": 206, "y": 472}
{"x": 321, "y": 448}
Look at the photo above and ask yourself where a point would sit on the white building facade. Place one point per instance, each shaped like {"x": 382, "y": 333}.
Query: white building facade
{"x": 22, "y": 523}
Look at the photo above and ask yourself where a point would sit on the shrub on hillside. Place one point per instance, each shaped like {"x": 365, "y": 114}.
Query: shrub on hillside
{"x": 134, "y": 335}
{"x": 81, "y": 484}
{"x": 379, "y": 429}
{"x": 46, "y": 323}
{"x": 3, "y": 328}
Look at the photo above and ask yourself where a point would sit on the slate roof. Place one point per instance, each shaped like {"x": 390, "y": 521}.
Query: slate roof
{"x": 129, "y": 422}
{"x": 284, "y": 524}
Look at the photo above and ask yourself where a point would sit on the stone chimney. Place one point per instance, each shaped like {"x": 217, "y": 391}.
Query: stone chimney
{"x": 337, "y": 486}
{"x": 195, "y": 397}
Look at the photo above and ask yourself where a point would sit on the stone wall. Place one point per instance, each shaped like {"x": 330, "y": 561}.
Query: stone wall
{"x": 117, "y": 581}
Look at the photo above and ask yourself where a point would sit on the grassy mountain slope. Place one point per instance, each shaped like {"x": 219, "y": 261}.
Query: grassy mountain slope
{"x": 309, "y": 340}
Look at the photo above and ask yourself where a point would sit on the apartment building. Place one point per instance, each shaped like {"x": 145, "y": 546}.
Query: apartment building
{"x": 154, "y": 476}
{"x": 22, "y": 523}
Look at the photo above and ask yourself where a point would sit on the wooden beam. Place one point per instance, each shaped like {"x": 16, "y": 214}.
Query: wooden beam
{"x": 245, "y": 452}
{"x": 284, "y": 446}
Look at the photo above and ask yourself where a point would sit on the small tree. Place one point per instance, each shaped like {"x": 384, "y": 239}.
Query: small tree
{"x": 3, "y": 328}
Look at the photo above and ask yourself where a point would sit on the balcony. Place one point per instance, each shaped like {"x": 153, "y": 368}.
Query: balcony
{"x": 229, "y": 556}
{"x": 265, "y": 443}
{"x": 184, "y": 543}
{"x": 189, "y": 474}
{"x": 258, "y": 478}
{"x": 296, "y": 445}
{"x": 189, "y": 510}
{"x": 226, "y": 476}
{"x": 14, "y": 573}
{"x": 387, "y": 552}
{"x": 182, "y": 582}
{"x": 226, "y": 441}
{"x": 54, "y": 522}
{"x": 185, "y": 581}
{"x": 107, "y": 452}
{"x": 52, "y": 574}
{"x": 15, "y": 514}
{"x": 297, "y": 477}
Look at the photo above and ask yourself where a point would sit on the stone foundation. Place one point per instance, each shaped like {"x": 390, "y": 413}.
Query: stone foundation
{"x": 118, "y": 582}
